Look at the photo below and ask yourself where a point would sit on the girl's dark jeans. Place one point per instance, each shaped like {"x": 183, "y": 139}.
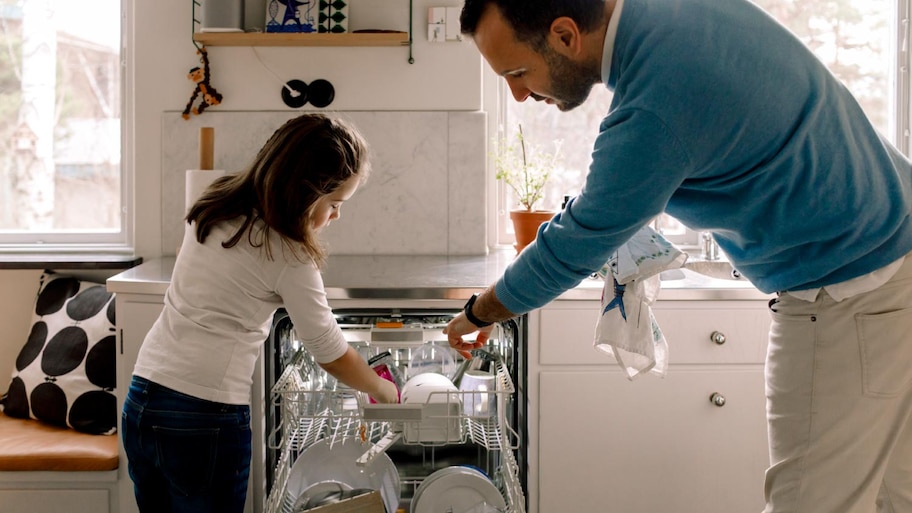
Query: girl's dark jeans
{"x": 185, "y": 454}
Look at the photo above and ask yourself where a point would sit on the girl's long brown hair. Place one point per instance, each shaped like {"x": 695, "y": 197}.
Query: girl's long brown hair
{"x": 308, "y": 157}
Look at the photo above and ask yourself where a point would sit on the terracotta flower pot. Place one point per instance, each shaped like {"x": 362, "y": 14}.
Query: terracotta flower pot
{"x": 525, "y": 225}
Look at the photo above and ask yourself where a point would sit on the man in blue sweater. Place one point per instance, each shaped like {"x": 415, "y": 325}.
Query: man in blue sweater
{"x": 725, "y": 120}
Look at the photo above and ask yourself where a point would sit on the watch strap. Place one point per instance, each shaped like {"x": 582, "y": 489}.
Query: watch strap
{"x": 467, "y": 309}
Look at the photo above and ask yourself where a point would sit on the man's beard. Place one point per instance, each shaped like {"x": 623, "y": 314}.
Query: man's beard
{"x": 571, "y": 83}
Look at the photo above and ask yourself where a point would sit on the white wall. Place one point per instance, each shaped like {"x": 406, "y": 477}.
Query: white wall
{"x": 425, "y": 194}
{"x": 445, "y": 76}
{"x": 17, "y": 296}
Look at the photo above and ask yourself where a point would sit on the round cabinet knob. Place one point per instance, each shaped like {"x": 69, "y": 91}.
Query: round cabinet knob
{"x": 718, "y": 337}
{"x": 717, "y": 399}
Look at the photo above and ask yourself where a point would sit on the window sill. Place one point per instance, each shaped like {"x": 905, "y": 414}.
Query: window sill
{"x": 86, "y": 261}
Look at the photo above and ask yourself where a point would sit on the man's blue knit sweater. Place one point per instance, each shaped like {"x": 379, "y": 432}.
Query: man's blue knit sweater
{"x": 725, "y": 120}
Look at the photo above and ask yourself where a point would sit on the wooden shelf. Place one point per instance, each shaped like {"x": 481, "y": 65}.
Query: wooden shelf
{"x": 302, "y": 39}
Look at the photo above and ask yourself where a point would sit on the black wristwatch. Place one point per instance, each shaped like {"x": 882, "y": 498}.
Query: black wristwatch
{"x": 467, "y": 309}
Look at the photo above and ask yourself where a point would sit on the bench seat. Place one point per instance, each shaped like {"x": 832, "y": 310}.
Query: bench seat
{"x": 30, "y": 445}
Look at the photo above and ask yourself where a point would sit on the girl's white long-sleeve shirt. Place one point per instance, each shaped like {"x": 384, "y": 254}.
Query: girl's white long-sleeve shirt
{"x": 218, "y": 311}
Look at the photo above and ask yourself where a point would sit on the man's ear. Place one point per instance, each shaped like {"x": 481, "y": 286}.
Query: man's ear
{"x": 565, "y": 37}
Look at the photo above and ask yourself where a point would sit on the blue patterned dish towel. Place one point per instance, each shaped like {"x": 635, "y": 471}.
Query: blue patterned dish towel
{"x": 627, "y": 329}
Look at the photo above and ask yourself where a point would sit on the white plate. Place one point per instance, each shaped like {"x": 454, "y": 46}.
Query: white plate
{"x": 457, "y": 489}
{"x": 319, "y": 463}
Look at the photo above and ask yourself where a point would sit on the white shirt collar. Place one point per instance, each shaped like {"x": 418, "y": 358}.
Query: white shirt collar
{"x": 610, "y": 35}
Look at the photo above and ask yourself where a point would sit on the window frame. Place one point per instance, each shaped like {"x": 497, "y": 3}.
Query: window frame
{"x": 496, "y": 93}
{"x": 903, "y": 94}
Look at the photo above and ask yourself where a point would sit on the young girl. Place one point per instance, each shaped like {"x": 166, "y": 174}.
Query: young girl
{"x": 251, "y": 247}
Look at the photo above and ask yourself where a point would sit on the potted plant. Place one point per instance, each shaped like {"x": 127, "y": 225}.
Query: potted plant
{"x": 526, "y": 170}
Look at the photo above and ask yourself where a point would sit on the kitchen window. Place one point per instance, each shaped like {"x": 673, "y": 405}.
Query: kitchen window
{"x": 61, "y": 179}
{"x": 863, "y": 42}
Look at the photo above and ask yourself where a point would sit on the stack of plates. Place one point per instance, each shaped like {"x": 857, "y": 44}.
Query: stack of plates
{"x": 462, "y": 489}
{"x": 317, "y": 490}
{"x": 323, "y": 468}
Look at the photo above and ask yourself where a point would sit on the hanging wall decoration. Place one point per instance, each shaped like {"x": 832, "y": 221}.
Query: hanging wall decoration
{"x": 200, "y": 77}
{"x": 290, "y": 16}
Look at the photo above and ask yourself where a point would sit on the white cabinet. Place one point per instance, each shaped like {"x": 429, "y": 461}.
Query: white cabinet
{"x": 54, "y": 501}
{"x": 605, "y": 443}
{"x": 135, "y": 315}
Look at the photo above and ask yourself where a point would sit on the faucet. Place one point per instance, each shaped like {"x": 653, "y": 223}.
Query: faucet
{"x": 709, "y": 249}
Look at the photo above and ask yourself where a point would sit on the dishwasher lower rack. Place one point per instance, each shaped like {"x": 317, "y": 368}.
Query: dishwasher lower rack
{"x": 310, "y": 414}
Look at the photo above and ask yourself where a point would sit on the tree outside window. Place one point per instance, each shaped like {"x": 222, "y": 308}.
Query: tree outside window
{"x": 60, "y": 110}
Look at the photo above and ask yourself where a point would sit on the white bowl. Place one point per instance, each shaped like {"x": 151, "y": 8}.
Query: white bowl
{"x": 441, "y": 408}
{"x": 432, "y": 357}
{"x": 418, "y": 389}
{"x": 479, "y": 396}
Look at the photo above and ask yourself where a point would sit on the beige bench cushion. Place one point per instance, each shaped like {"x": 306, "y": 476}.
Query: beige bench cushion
{"x": 27, "y": 444}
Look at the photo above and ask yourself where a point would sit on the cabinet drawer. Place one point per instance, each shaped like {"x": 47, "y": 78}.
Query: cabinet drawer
{"x": 714, "y": 331}
{"x": 55, "y": 501}
{"x": 567, "y": 332}
{"x": 653, "y": 445}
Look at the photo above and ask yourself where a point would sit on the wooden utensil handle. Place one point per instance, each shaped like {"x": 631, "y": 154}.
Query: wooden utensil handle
{"x": 206, "y": 147}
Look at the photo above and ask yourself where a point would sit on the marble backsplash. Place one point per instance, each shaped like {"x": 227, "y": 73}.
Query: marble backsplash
{"x": 425, "y": 195}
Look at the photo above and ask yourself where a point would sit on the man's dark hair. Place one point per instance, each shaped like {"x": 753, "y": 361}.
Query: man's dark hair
{"x": 531, "y": 19}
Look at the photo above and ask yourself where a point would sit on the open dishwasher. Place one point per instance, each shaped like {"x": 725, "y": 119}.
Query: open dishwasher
{"x": 456, "y": 449}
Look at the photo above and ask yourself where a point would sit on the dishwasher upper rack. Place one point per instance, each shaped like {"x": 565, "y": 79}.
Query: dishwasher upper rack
{"x": 340, "y": 413}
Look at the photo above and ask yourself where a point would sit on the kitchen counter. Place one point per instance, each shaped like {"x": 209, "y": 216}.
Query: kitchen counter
{"x": 439, "y": 277}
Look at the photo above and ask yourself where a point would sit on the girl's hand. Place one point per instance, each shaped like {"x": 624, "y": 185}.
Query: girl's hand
{"x": 386, "y": 392}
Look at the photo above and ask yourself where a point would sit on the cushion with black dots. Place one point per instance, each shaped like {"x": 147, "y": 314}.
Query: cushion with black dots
{"x": 65, "y": 373}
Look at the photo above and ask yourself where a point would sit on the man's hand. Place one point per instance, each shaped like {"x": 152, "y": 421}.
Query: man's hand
{"x": 460, "y": 326}
{"x": 486, "y": 308}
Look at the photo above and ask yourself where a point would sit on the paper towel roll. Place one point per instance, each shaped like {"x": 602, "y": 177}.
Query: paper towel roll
{"x": 196, "y": 182}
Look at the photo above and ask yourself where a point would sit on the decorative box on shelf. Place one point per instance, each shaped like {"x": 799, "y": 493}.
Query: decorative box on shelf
{"x": 308, "y": 23}
{"x": 284, "y": 16}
